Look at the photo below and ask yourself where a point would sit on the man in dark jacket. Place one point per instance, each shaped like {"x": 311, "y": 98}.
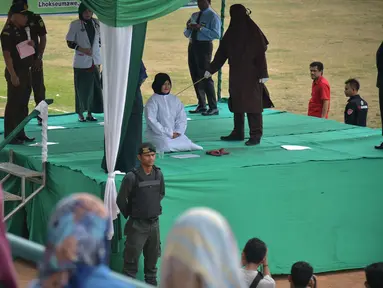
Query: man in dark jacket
{"x": 139, "y": 199}
{"x": 356, "y": 109}
{"x": 379, "y": 84}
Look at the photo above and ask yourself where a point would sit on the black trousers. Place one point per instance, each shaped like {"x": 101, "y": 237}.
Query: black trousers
{"x": 199, "y": 58}
{"x": 16, "y": 108}
{"x": 142, "y": 235}
{"x": 255, "y": 122}
{"x": 37, "y": 85}
{"x": 381, "y": 105}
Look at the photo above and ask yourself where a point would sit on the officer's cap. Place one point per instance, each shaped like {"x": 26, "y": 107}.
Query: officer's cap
{"x": 24, "y": 1}
{"x": 146, "y": 148}
{"x": 18, "y": 8}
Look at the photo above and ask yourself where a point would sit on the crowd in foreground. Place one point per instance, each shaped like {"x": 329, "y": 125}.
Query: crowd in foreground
{"x": 200, "y": 252}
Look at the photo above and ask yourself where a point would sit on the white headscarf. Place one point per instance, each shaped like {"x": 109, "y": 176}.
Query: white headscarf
{"x": 202, "y": 252}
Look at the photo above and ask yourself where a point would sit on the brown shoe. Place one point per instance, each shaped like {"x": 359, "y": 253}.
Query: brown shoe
{"x": 25, "y": 138}
{"x": 198, "y": 110}
{"x": 233, "y": 137}
{"x": 252, "y": 142}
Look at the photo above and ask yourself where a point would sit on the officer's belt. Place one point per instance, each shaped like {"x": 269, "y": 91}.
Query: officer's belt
{"x": 194, "y": 41}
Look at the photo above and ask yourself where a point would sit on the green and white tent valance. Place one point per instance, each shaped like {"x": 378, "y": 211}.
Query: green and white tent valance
{"x": 124, "y": 13}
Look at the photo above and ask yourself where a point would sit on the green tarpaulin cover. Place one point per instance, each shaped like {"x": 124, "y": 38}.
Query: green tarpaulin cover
{"x": 320, "y": 205}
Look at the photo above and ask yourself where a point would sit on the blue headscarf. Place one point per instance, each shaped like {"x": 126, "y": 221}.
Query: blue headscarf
{"x": 77, "y": 243}
{"x": 201, "y": 249}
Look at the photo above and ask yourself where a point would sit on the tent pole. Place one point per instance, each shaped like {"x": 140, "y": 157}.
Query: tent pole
{"x": 219, "y": 84}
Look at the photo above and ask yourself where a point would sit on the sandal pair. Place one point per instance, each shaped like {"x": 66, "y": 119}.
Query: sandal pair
{"x": 218, "y": 152}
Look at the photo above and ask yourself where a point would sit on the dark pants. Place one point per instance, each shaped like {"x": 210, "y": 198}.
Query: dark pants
{"x": 17, "y": 102}
{"x": 142, "y": 235}
{"x": 88, "y": 92}
{"x": 255, "y": 125}
{"x": 38, "y": 87}
{"x": 199, "y": 58}
{"x": 381, "y": 105}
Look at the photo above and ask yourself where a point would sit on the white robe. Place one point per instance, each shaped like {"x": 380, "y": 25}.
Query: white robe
{"x": 165, "y": 115}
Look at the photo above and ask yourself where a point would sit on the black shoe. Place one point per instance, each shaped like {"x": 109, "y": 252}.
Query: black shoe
{"x": 91, "y": 119}
{"x": 233, "y": 137}
{"x": 252, "y": 142}
{"x": 380, "y": 147}
{"x": 26, "y": 138}
{"x": 198, "y": 110}
{"x": 211, "y": 112}
{"x": 16, "y": 142}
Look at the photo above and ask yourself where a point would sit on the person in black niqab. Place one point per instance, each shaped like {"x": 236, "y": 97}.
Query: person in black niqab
{"x": 244, "y": 45}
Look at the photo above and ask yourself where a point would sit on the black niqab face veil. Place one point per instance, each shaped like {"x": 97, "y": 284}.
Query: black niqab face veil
{"x": 238, "y": 14}
{"x": 160, "y": 80}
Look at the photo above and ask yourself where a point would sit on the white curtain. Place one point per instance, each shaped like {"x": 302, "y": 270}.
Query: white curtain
{"x": 116, "y": 43}
{"x": 42, "y": 107}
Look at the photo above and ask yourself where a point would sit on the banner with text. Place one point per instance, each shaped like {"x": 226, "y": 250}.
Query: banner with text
{"x": 55, "y": 6}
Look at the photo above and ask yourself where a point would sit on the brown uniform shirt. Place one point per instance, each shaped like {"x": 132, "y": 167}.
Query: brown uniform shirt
{"x": 10, "y": 37}
{"x": 38, "y": 29}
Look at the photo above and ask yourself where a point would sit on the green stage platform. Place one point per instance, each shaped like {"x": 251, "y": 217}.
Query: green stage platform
{"x": 321, "y": 205}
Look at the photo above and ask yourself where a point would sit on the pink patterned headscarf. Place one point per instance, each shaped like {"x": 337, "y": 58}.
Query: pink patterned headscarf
{"x": 7, "y": 272}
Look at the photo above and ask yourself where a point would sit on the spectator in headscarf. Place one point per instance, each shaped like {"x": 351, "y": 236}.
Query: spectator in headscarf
{"x": 77, "y": 249}
{"x": 245, "y": 46}
{"x": 201, "y": 252}
{"x": 84, "y": 38}
{"x": 8, "y": 276}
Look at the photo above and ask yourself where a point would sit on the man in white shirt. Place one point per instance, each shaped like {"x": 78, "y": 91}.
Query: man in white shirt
{"x": 254, "y": 255}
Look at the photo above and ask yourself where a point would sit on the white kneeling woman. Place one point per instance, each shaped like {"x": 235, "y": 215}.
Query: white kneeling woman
{"x": 166, "y": 119}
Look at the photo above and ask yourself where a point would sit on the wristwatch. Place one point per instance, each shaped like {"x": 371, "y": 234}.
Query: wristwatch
{"x": 40, "y": 57}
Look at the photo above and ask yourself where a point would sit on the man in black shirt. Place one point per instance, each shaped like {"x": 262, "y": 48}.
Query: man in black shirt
{"x": 356, "y": 108}
{"x": 379, "y": 84}
{"x": 139, "y": 199}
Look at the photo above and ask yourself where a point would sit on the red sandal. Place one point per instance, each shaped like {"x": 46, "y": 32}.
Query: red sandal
{"x": 214, "y": 153}
{"x": 222, "y": 151}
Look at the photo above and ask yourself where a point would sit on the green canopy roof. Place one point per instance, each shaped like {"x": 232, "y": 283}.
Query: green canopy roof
{"x": 122, "y": 13}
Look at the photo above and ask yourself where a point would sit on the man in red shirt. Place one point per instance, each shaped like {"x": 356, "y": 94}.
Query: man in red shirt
{"x": 319, "y": 104}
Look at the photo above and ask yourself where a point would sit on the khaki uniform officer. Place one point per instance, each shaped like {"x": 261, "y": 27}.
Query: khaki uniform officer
{"x": 38, "y": 35}
{"x": 17, "y": 72}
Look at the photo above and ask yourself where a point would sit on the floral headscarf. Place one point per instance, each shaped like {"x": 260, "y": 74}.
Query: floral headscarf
{"x": 77, "y": 241}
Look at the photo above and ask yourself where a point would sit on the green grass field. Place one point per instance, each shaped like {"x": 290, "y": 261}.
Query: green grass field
{"x": 343, "y": 34}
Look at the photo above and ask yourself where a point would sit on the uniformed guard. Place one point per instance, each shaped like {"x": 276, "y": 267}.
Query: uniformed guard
{"x": 356, "y": 108}
{"x": 139, "y": 198}
{"x": 38, "y": 35}
{"x": 17, "y": 72}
